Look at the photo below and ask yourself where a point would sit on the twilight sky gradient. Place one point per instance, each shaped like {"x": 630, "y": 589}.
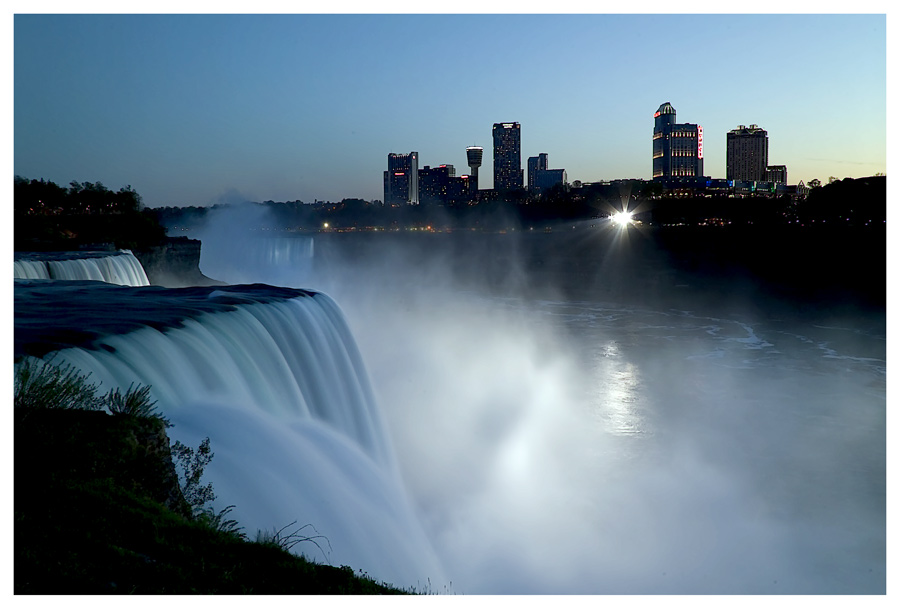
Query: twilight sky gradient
{"x": 199, "y": 109}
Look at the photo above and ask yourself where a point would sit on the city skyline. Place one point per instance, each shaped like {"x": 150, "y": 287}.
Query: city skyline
{"x": 201, "y": 109}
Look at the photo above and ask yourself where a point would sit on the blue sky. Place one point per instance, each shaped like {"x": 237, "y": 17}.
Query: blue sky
{"x": 197, "y": 109}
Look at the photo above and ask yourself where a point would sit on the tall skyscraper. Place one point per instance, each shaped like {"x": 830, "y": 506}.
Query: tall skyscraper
{"x": 401, "y": 180}
{"x": 474, "y": 155}
{"x": 747, "y": 154}
{"x": 508, "y": 174}
{"x": 677, "y": 147}
{"x": 535, "y": 164}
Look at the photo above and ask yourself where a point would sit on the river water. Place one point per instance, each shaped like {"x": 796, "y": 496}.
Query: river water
{"x": 606, "y": 423}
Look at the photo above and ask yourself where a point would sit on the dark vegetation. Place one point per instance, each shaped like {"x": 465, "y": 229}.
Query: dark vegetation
{"x": 847, "y": 203}
{"x": 99, "y": 507}
{"x": 49, "y": 217}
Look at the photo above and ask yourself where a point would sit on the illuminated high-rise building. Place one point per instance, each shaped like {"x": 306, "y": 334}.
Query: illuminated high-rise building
{"x": 434, "y": 183}
{"x": 747, "y": 154}
{"x": 401, "y": 180}
{"x": 508, "y": 174}
{"x": 677, "y": 147}
{"x": 474, "y": 155}
{"x": 441, "y": 186}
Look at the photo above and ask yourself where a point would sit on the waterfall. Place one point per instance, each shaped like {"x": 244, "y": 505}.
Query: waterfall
{"x": 274, "y": 260}
{"x": 121, "y": 267}
{"x": 31, "y": 269}
{"x": 278, "y": 385}
{"x": 263, "y": 251}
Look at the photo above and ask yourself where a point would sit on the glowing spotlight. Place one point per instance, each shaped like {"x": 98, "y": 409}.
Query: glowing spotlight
{"x": 622, "y": 218}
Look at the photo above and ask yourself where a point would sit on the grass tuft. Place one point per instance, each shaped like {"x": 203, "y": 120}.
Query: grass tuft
{"x": 287, "y": 540}
{"x": 43, "y": 384}
{"x": 135, "y": 402}
{"x": 217, "y": 521}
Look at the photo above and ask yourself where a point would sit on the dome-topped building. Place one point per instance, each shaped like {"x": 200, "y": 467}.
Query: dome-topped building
{"x": 677, "y": 148}
{"x": 665, "y": 108}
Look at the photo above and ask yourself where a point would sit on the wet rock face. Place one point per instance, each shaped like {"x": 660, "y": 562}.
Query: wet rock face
{"x": 175, "y": 263}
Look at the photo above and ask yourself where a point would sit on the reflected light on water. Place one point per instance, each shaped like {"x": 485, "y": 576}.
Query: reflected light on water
{"x": 616, "y": 397}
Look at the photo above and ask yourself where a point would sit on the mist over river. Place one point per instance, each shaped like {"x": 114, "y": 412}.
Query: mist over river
{"x": 575, "y": 412}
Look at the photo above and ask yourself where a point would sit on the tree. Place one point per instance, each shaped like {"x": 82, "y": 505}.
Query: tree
{"x": 128, "y": 200}
{"x": 814, "y": 183}
{"x": 52, "y": 217}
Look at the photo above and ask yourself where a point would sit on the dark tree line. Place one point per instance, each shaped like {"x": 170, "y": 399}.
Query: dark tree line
{"x": 847, "y": 202}
{"x": 44, "y": 198}
{"x": 492, "y": 211}
{"x": 50, "y": 217}
{"x": 722, "y": 210}
{"x": 853, "y": 202}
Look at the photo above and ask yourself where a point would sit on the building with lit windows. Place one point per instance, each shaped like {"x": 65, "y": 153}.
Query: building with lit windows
{"x": 508, "y": 174}
{"x": 434, "y": 183}
{"x": 441, "y": 186}
{"x": 401, "y": 180}
{"x": 677, "y": 147}
{"x": 535, "y": 164}
{"x": 777, "y": 174}
{"x": 747, "y": 154}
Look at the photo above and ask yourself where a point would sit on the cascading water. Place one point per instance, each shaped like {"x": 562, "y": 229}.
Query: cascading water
{"x": 276, "y": 382}
{"x": 120, "y": 268}
{"x": 31, "y": 269}
{"x": 263, "y": 252}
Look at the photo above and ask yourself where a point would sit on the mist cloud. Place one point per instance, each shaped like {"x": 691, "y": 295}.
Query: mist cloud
{"x": 594, "y": 447}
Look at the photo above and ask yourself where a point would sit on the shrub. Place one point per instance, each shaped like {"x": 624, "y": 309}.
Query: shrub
{"x": 135, "y": 402}
{"x": 42, "y": 384}
{"x": 217, "y": 521}
{"x": 192, "y": 463}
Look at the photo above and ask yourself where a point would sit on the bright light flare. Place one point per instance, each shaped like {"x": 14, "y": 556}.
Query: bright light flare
{"x": 622, "y": 218}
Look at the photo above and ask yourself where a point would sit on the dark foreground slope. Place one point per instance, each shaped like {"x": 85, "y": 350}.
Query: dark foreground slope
{"x": 98, "y": 511}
